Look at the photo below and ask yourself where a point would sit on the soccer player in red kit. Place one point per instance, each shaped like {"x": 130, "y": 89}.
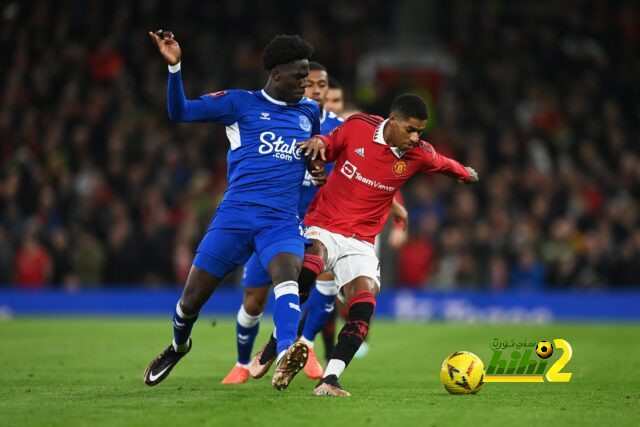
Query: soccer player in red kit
{"x": 373, "y": 158}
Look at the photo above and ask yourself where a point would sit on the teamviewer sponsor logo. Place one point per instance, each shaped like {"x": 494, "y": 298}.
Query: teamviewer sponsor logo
{"x": 373, "y": 183}
{"x": 348, "y": 169}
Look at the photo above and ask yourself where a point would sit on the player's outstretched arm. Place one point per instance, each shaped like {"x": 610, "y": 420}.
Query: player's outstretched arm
{"x": 436, "y": 162}
{"x": 180, "y": 108}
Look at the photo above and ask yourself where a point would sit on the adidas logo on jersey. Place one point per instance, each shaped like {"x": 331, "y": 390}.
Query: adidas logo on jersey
{"x": 360, "y": 151}
{"x": 265, "y": 116}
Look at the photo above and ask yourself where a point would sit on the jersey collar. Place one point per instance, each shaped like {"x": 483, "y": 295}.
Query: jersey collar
{"x": 378, "y": 137}
{"x": 270, "y": 99}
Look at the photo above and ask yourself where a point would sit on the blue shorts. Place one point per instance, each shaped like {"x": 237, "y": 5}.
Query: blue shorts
{"x": 238, "y": 229}
{"x": 255, "y": 275}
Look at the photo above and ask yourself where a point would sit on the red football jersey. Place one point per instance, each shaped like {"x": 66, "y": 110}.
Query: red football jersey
{"x": 356, "y": 199}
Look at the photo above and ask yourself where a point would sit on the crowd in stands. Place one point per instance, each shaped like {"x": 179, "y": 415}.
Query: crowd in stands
{"x": 98, "y": 187}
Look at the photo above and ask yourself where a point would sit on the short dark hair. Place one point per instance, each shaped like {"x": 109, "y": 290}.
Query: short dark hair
{"x": 410, "y": 106}
{"x": 334, "y": 84}
{"x": 316, "y": 66}
{"x": 284, "y": 49}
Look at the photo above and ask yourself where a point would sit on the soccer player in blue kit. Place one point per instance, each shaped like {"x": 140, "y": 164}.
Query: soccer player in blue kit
{"x": 256, "y": 280}
{"x": 259, "y": 210}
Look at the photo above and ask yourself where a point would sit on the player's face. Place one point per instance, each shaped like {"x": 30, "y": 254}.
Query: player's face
{"x": 405, "y": 133}
{"x": 335, "y": 101}
{"x": 291, "y": 80}
{"x": 317, "y": 86}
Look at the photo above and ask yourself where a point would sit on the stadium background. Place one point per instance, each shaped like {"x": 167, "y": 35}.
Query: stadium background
{"x": 102, "y": 201}
{"x": 98, "y": 188}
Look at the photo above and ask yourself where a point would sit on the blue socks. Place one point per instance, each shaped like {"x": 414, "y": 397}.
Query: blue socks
{"x": 182, "y": 325}
{"x": 286, "y": 314}
{"x": 246, "y": 330}
{"x": 320, "y": 306}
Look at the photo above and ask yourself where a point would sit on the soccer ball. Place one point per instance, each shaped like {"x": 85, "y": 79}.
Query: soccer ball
{"x": 462, "y": 373}
{"x": 544, "y": 349}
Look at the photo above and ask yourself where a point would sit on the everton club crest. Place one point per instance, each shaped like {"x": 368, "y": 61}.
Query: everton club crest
{"x": 305, "y": 124}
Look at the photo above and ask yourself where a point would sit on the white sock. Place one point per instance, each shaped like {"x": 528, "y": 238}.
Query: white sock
{"x": 309, "y": 343}
{"x": 242, "y": 365}
{"x": 182, "y": 347}
{"x": 327, "y": 287}
{"x": 280, "y": 356}
{"x": 246, "y": 320}
{"x": 334, "y": 367}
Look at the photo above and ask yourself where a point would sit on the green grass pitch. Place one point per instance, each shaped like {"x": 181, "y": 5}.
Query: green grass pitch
{"x": 88, "y": 371}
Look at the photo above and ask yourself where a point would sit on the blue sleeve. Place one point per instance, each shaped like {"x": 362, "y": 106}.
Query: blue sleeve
{"x": 180, "y": 108}
{"x": 226, "y": 107}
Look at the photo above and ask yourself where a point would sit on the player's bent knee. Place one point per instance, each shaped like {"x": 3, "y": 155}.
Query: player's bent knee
{"x": 360, "y": 284}
{"x": 327, "y": 275}
{"x": 255, "y": 300}
{"x": 284, "y": 267}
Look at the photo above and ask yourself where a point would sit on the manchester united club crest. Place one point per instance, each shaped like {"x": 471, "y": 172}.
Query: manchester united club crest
{"x": 400, "y": 167}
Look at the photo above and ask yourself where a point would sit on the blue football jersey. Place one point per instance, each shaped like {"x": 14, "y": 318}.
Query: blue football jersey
{"x": 328, "y": 122}
{"x": 265, "y": 165}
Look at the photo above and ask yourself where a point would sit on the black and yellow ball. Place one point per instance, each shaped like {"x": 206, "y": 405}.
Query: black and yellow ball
{"x": 462, "y": 373}
{"x": 544, "y": 349}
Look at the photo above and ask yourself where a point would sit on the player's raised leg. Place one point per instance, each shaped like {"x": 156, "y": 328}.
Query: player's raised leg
{"x": 360, "y": 294}
{"x": 199, "y": 287}
{"x": 312, "y": 266}
{"x": 292, "y": 356}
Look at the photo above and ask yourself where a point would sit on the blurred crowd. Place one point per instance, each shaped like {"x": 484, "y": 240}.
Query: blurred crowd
{"x": 544, "y": 105}
{"x": 98, "y": 187}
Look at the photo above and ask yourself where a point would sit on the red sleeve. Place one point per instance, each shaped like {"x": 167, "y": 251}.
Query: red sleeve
{"x": 436, "y": 162}
{"x": 335, "y": 141}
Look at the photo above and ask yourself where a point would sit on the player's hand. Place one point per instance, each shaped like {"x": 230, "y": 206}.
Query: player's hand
{"x": 399, "y": 214}
{"x": 168, "y": 47}
{"x": 473, "y": 176}
{"x": 398, "y": 237}
{"x": 312, "y": 147}
{"x": 318, "y": 170}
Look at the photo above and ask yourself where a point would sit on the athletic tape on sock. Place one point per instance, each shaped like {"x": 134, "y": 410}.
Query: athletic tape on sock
{"x": 182, "y": 314}
{"x": 246, "y": 320}
{"x": 334, "y": 367}
{"x": 327, "y": 287}
{"x": 288, "y": 287}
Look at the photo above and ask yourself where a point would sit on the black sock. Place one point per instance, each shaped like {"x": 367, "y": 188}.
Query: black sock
{"x": 353, "y": 333}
